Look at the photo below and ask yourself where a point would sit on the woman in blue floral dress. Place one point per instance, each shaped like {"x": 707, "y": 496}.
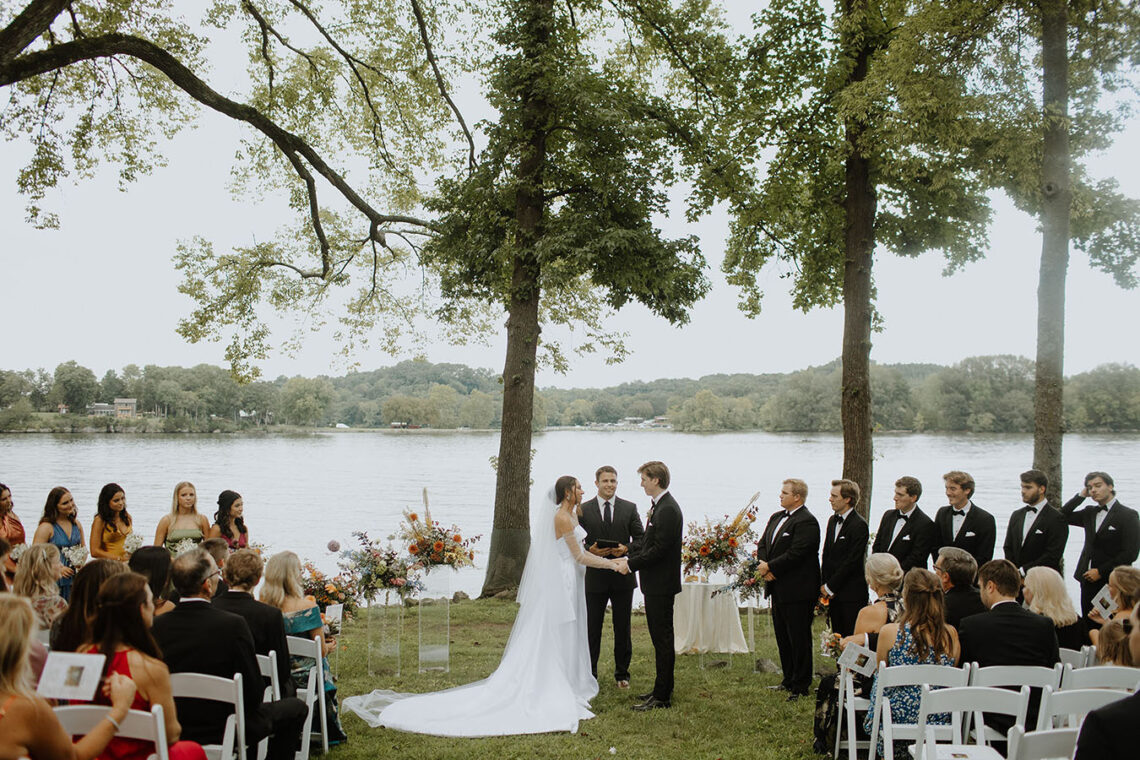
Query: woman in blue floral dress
{"x": 920, "y": 637}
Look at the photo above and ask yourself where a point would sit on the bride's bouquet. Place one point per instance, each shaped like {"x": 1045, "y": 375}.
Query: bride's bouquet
{"x": 716, "y": 546}
{"x": 431, "y": 545}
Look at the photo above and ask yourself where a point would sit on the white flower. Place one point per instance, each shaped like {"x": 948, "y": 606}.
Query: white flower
{"x": 76, "y": 555}
{"x": 132, "y": 543}
{"x": 18, "y": 551}
{"x": 613, "y": 750}
{"x": 185, "y": 545}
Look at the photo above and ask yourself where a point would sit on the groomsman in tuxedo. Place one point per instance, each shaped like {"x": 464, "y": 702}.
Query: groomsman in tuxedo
{"x": 963, "y": 523}
{"x": 658, "y": 563}
{"x": 1037, "y": 533}
{"x": 844, "y": 549}
{"x": 611, "y": 519}
{"x": 789, "y": 561}
{"x": 1112, "y": 534}
{"x": 906, "y": 532}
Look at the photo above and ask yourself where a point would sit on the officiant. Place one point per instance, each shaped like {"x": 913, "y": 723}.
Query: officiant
{"x": 612, "y": 527}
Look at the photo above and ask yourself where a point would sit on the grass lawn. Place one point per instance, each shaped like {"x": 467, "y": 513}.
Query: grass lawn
{"x": 718, "y": 712}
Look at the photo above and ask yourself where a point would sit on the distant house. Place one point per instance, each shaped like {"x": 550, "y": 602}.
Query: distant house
{"x": 100, "y": 410}
{"x": 126, "y": 408}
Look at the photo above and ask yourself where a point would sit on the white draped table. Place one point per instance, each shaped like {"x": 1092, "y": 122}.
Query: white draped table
{"x": 704, "y": 623}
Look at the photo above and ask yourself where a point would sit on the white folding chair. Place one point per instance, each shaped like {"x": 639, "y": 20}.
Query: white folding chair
{"x": 267, "y": 663}
{"x": 1055, "y": 744}
{"x": 1071, "y": 706}
{"x": 315, "y": 692}
{"x": 217, "y": 689}
{"x": 79, "y": 720}
{"x": 1073, "y": 657}
{"x": 1034, "y": 676}
{"x": 906, "y": 675}
{"x": 1089, "y": 651}
{"x": 1100, "y": 677}
{"x": 845, "y": 711}
{"x": 963, "y": 703}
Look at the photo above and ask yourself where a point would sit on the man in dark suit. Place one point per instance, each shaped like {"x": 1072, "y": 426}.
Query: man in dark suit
{"x": 658, "y": 562}
{"x": 1037, "y": 533}
{"x": 1008, "y": 634}
{"x": 609, "y": 518}
{"x": 1114, "y": 730}
{"x": 844, "y": 548}
{"x": 963, "y": 523}
{"x": 196, "y": 637}
{"x": 788, "y": 554}
{"x": 1112, "y": 534}
{"x": 957, "y": 570}
{"x": 906, "y": 532}
{"x": 242, "y": 573}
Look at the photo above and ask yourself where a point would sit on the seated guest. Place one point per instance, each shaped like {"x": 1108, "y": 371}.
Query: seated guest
{"x": 29, "y": 727}
{"x": 243, "y": 572}
{"x": 884, "y": 576}
{"x": 111, "y": 524}
{"x": 956, "y": 568}
{"x": 229, "y": 524}
{"x": 1045, "y": 594}
{"x": 11, "y": 530}
{"x": 1112, "y": 644}
{"x": 1124, "y": 587}
{"x": 121, "y": 631}
{"x": 153, "y": 563}
{"x": 5, "y": 550}
{"x": 302, "y": 617}
{"x": 197, "y": 637}
{"x": 219, "y": 550}
{"x": 1113, "y": 731}
{"x": 73, "y": 627}
{"x": 36, "y": 578}
{"x": 920, "y": 637}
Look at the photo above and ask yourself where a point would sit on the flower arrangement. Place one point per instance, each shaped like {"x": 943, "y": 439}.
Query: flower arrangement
{"x": 375, "y": 569}
{"x": 829, "y": 644}
{"x": 747, "y": 581}
{"x": 822, "y": 605}
{"x": 431, "y": 545}
{"x": 132, "y": 543}
{"x": 17, "y": 552}
{"x": 716, "y": 546}
{"x": 76, "y": 555}
{"x": 325, "y": 590}
{"x": 185, "y": 545}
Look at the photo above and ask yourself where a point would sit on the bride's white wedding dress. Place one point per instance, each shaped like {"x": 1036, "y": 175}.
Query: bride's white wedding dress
{"x": 542, "y": 684}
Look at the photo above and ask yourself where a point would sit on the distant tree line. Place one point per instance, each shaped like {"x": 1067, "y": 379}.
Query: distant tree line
{"x": 981, "y": 394}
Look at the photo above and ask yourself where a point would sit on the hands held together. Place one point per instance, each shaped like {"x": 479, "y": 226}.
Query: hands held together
{"x": 620, "y": 566}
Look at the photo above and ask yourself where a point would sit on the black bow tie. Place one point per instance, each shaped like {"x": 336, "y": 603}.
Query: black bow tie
{"x": 1032, "y": 509}
{"x": 903, "y": 517}
{"x": 1102, "y": 507}
{"x": 959, "y": 513}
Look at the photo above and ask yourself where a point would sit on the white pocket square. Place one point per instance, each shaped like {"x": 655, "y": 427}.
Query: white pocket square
{"x": 1038, "y": 531}
{"x": 904, "y": 538}
{"x": 1112, "y": 527}
{"x": 970, "y": 533}
{"x": 843, "y": 538}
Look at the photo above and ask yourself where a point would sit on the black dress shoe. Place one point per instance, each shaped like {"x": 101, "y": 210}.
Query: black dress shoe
{"x": 794, "y": 695}
{"x": 644, "y": 697}
{"x": 653, "y": 703}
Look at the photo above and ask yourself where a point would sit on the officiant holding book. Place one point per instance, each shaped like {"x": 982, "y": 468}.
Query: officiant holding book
{"x": 613, "y": 528}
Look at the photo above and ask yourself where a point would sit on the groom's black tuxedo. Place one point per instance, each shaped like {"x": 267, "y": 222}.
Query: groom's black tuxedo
{"x": 658, "y": 563}
{"x": 607, "y": 587}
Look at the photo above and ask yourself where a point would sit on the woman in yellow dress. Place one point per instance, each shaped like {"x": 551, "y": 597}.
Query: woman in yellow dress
{"x": 112, "y": 525}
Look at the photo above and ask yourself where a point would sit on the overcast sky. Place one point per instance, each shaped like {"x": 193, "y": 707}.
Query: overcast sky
{"x": 102, "y": 289}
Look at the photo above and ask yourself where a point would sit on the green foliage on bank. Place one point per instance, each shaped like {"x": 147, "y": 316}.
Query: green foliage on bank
{"x": 983, "y": 394}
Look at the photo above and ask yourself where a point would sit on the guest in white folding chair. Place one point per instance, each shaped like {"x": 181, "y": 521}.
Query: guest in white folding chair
{"x": 1045, "y": 594}
{"x": 1114, "y": 730}
{"x": 1112, "y": 646}
{"x": 1124, "y": 588}
{"x": 28, "y": 726}
{"x": 243, "y": 572}
{"x": 124, "y": 613}
{"x": 1008, "y": 634}
{"x": 197, "y": 637}
{"x": 920, "y": 637}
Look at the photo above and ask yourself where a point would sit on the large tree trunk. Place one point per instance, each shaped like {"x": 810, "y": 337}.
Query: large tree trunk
{"x": 510, "y": 535}
{"x": 859, "y": 253}
{"x": 1048, "y": 405}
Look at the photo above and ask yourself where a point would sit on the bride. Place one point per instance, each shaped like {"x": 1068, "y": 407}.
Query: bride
{"x": 543, "y": 683}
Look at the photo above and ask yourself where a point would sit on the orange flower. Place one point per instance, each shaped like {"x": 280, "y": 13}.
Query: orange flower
{"x": 704, "y": 551}
{"x": 732, "y": 542}
{"x": 437, "y": 546}
{"x": 330, "y": 588}
{"x": 457, "y": 538}
{"x": 413, "y": 517}
{"x": 414, "y": 549}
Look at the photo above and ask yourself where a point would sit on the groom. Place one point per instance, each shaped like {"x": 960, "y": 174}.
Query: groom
{"x": 658, "y": 561}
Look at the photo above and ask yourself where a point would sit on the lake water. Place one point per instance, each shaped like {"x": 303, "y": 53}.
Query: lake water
{"x": 302, "y": 491}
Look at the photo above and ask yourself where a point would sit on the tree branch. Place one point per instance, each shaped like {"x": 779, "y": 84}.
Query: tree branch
{"x": 417, "y": 9}
{"x": 31, "y": 22}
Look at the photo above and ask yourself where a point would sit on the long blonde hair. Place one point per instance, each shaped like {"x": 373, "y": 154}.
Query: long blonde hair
{"x": 1049, "y": 596}
{"x": 17, "y": 621}
{"x": 174, "y": 505}
{"x": 36, "y": 573}
{"x": 1127, "y": 581}
{"x": 282, "y": 579}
